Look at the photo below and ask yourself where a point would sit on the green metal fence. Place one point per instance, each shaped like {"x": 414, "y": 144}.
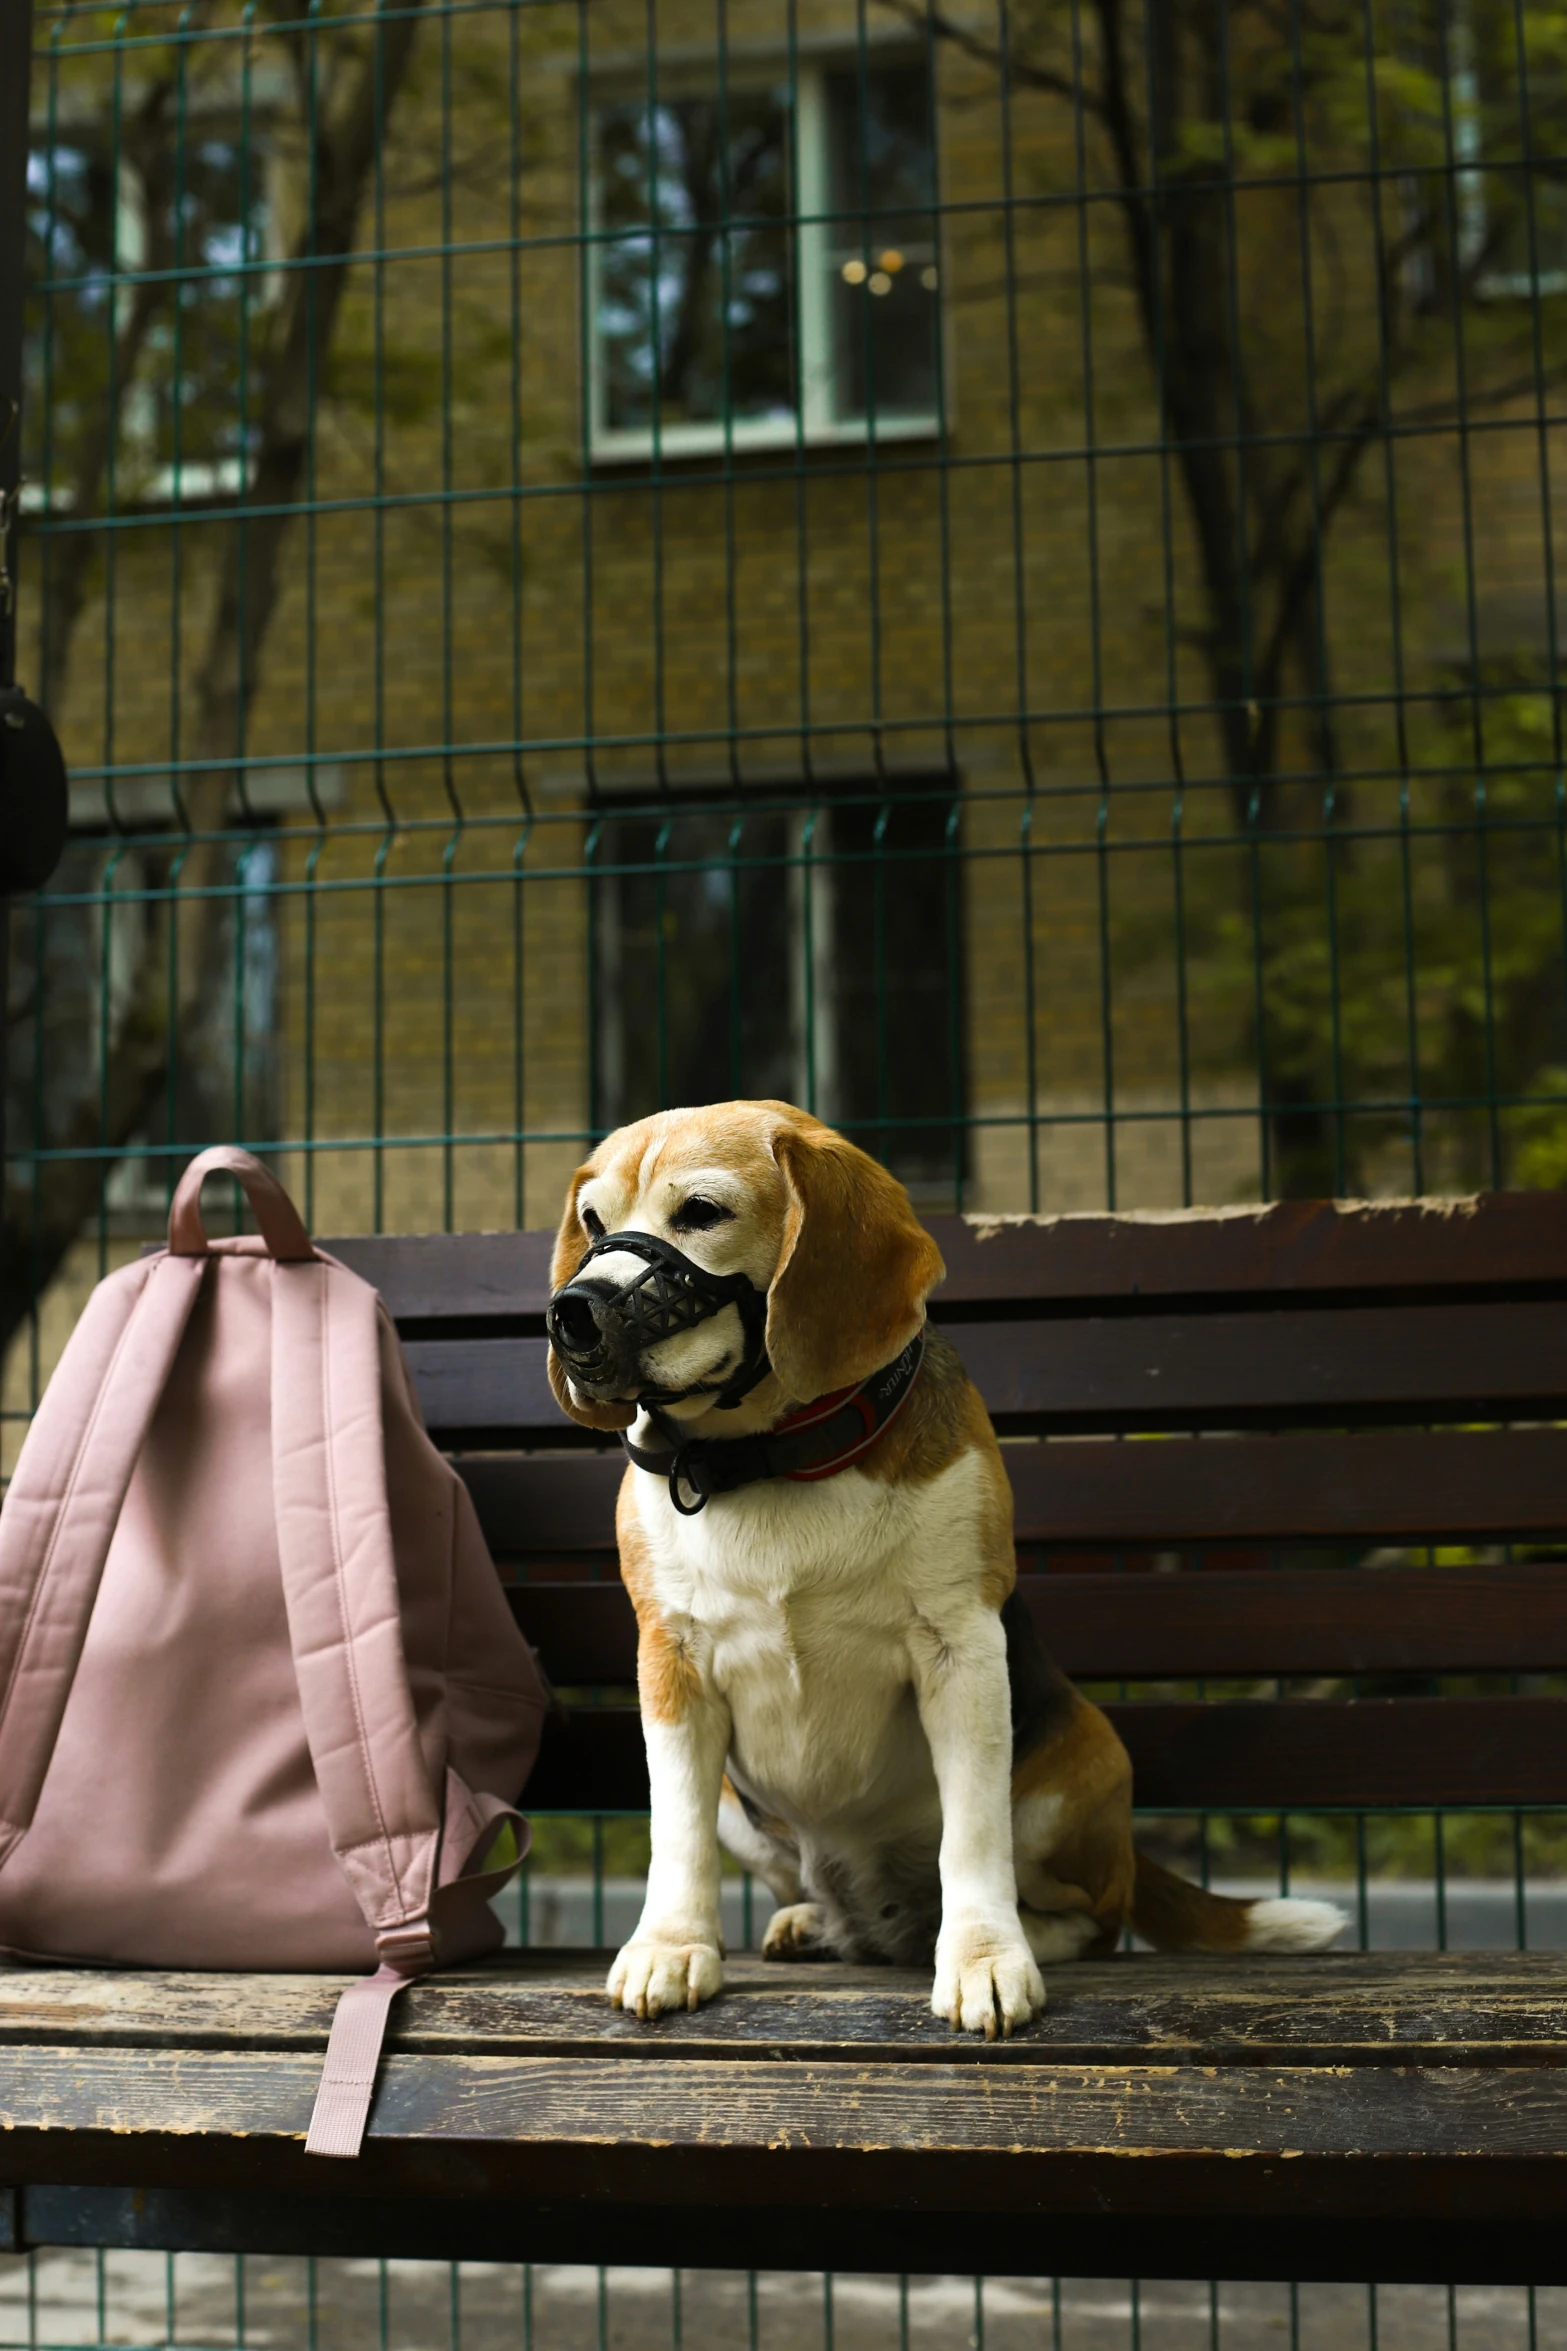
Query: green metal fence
{"x": 90, "y": 2300}
{"x": 990, "y": 571}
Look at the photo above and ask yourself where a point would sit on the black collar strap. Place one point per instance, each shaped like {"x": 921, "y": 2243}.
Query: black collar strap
{"x": 815, "y": 1442}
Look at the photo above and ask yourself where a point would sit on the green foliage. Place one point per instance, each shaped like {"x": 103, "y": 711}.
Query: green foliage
{"x": 1340, "y": 1846}
{"x": 399, "y": 382}
{"x": 574, "y": 1844}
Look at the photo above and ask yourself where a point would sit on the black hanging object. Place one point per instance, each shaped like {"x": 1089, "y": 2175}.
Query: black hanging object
{"x": 34, "y": 800}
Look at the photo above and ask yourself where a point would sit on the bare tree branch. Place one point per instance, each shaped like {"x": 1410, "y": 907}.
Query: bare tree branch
{"x": 1026, "y": 71}
{"x": 68, "y": 560}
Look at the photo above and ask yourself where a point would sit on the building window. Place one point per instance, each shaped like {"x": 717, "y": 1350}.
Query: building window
{"x": 147, "y": 282}
{"x": 1483, "y": 124}
{"x": 764, "y": 262}
{"x": 90, "y": 953}
{"x": 807, "y": 955}
{"x": 1504, "y": 83}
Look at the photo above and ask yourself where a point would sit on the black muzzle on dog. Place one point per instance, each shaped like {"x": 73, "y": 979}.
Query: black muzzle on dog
{"x": 599, "y": 1332}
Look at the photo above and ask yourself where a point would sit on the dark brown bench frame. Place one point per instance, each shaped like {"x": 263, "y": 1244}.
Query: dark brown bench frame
{"x": 1318, "y": 1376}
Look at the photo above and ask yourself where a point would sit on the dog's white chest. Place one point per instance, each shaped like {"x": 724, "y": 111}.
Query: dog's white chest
{"x": 792, "y": 1595}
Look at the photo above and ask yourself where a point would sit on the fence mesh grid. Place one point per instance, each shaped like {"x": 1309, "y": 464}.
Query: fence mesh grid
{"x": 992, "y": 572}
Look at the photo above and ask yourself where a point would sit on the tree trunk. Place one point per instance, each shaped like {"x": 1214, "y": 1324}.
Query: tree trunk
{"x": 1258, "y": 540}
{"x": 68, "y": 561}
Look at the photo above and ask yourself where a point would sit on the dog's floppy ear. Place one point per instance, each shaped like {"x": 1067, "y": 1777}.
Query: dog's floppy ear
{"x": 571, "y": 1246}
{"x": 855, "y": 1265}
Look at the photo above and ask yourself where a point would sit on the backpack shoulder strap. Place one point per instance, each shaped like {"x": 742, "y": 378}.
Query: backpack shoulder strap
{"x": 345, "y": 1626}
{"x": 64, "y": 1503}
{"x": 340, "y": 1584}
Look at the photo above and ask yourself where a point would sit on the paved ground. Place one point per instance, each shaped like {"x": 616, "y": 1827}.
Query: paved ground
{"x": 201, "y": 2301}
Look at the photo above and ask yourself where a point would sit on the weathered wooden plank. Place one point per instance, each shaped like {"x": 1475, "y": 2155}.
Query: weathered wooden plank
{"x": 1378, "y": 2138}
{"x": 527, "y": 2101}
{"x": 1259, "y": 1755}
{"x": 1290, "y": 1366}
{"x": 1351, "y": 2009}
{"x": 1176, "y": 1627}
{"x": 1497, "y": 1239}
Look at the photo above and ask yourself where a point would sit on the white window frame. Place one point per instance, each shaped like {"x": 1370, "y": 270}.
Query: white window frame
{"x": 813, "y": 425}
{"x": 196, "y": 481}
{"x": 1469, "y": 156}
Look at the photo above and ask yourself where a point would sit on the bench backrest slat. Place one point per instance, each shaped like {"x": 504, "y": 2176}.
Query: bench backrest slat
{"x": 1287, "y": 1368}
{"x": 1247, "y": 1623}
{"x": 1009, "y": 1266}
{"x": 1375, "y": 1754}
{"x": 1299, "y": 1248}
{"x": 1394, "y": 1485}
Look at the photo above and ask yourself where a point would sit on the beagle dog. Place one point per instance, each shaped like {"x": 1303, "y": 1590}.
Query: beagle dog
{"x": 815, "y": 1529}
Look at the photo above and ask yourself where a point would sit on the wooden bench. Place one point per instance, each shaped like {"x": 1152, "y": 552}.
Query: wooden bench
{"x": 1305, "y": 1396}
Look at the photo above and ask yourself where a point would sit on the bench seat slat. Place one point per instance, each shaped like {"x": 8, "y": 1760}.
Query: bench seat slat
{"x": 1259, "y": 1755}
{"x": 752, "y": 2130}
{"x": 1151, "y": 2103}
{"x": 1373, "y": 2008}
{"x": 1179, "y": 1627}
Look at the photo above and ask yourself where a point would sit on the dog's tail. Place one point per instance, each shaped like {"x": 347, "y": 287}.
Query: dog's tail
{"x": 1175, "y": 1915}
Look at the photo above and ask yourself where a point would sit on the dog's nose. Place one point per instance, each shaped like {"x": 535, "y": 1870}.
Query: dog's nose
{"x": 573, "y": 1324}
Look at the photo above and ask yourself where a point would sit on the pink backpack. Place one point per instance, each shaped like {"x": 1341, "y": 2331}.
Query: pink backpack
{"x": 262, "y": 1702}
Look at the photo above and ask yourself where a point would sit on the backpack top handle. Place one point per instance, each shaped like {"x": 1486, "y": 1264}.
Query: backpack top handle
{"x": 275, "y": 1214}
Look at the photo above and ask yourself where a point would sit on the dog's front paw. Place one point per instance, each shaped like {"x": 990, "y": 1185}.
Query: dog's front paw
{"x": 986, "y": 1982}
{"x": 650, "y": 1977}
{"x": 795, "y": 1932}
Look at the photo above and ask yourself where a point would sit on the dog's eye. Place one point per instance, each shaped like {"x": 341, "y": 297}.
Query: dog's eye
{"x": 592, "y": 1224}
{"x": 699, "y": 1216}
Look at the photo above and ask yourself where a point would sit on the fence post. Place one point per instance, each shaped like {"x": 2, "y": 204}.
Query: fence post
{"x": 16, "y": 42}
{"x": 33, "y": 798}
{"x": 16, "y": 51}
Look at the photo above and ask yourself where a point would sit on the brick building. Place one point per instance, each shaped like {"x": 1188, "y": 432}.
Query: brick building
{"x": 803, "y": 689}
